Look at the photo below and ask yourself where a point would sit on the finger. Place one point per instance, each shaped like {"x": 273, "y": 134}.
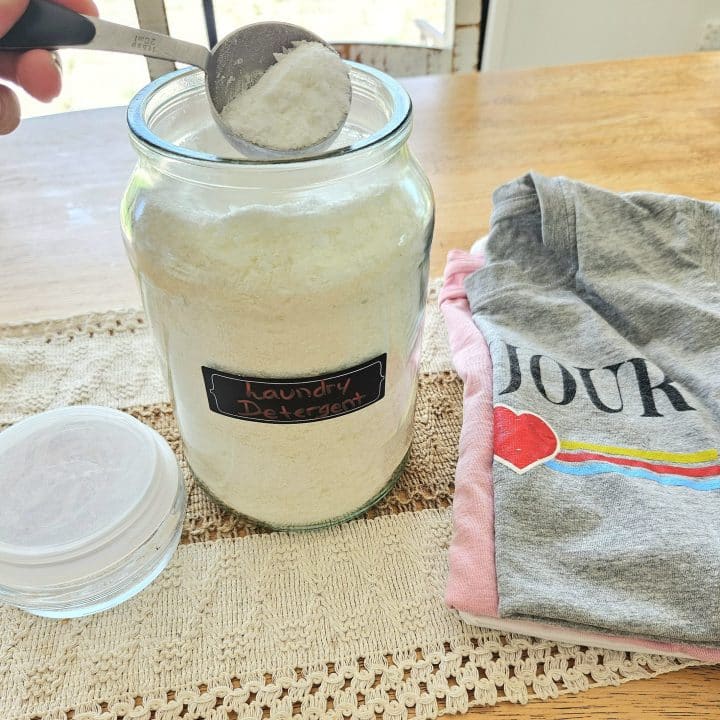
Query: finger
{"x": 10, "y": 12}
{"x": 86, "y": 7}
{"x": 9, "y": 110}
{"x": 34, "y": 70}
{"x": 37, "y": 73}
{"x": 8, "y": 65}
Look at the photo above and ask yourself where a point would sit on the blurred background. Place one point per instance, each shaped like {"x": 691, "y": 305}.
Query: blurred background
{"x": 96, "y": 79}
{"x": 410, "y": 37}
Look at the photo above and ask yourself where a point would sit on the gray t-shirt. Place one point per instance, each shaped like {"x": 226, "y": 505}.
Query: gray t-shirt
{"x": 602, "y": 314}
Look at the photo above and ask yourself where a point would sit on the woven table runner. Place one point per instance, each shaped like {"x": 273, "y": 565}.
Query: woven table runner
{"x": 245, "y": 623}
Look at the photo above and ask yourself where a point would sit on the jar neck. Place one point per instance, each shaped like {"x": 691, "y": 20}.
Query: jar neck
{"x": 174, "y": 134}
{"x": 298, "y": 173}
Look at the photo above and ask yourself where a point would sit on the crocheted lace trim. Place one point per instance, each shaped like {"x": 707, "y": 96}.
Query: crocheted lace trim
{"x": 468, "y": 672}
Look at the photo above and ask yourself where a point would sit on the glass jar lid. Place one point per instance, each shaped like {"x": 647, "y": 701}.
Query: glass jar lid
{"x": 84, "y": 488}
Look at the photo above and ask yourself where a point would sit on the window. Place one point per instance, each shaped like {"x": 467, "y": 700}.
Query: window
{"x": 337, "y": 21}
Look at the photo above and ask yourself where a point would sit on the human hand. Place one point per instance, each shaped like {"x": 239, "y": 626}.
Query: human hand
{"x": 37, "y": 71}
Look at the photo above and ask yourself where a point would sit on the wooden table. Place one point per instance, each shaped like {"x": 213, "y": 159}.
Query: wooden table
{"x": 651, "y": 124}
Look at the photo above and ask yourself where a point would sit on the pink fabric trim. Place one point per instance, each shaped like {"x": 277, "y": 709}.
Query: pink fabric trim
{"x": 472, "y": 582}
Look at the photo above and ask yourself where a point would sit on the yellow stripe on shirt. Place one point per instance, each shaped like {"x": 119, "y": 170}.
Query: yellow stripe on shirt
{"x": 691, "y": 457}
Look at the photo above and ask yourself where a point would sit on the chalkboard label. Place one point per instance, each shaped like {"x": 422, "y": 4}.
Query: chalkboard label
{"x": 300, "y": 400}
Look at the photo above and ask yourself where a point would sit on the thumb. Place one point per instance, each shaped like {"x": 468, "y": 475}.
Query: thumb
{"x": 9, "y": 110}
{"x": 10, "y": 12}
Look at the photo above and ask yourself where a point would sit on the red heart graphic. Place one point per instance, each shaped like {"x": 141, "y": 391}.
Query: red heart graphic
{"x": 523, "y": 440}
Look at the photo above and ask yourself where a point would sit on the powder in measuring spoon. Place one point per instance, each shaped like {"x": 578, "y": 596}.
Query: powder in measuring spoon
{"x": 298, "y": 102}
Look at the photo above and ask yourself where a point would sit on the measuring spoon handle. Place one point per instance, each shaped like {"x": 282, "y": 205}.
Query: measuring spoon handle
{"x": 47, "y": 25}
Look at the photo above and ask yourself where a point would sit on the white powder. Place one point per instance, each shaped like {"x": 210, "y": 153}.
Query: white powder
{"x": 298, "y": 102}
{"x": 291, "y": 290}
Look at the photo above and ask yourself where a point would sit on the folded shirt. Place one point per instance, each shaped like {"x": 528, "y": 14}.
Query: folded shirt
{"x": 472, "y": 585}
{"x": 601, "y": 312}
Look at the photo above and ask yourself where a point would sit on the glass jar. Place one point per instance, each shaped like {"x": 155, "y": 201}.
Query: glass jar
{"x": 286, "y": 299}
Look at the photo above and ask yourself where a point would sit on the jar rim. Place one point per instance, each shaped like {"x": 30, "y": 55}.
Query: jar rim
{"x": 140, "y": 130}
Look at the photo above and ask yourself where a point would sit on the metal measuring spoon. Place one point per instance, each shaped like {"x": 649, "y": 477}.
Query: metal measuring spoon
{"x": 232, "y": 66}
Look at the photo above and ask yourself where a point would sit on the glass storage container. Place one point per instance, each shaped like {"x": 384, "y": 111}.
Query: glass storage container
{"x": 286, "y": 299}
